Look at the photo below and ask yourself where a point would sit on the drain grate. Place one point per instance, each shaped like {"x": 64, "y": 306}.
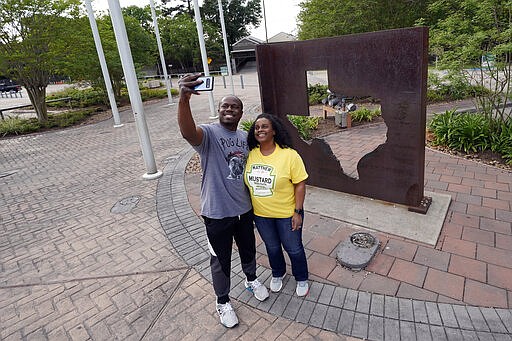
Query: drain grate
{"x": 362, "y": 239}
{"x": 125, "y": 205}
{"x": 357, "y": 251}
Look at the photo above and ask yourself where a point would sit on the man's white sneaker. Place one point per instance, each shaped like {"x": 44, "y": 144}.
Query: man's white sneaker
{"x": 302, "y": 288}
{"x": 227, "y": 315}
{"x": 258, "y": 289}
{"x": 276, "y": 284}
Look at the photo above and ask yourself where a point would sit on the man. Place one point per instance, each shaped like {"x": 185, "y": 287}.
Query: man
{"x": 225, "y": 202}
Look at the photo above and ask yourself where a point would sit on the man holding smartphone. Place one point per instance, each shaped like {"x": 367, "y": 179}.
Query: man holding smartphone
{"x": 225, "y": 202}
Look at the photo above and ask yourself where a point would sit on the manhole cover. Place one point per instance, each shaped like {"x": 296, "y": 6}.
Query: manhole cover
{"x": 357, "y": 251}
{"x": 362, "y": 239}
{"x": 125, "y": 205}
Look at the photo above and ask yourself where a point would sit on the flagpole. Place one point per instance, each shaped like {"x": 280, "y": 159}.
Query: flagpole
{"x": 199, "y": 25}
{"x": 103, "y": 65}
{"x": 226, "y": 49}
{"x": 133, "y": 89}
{"x": 161, "y": 52}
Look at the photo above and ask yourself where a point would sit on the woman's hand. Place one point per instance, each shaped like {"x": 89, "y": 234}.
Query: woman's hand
{"x": 296, "y": 222}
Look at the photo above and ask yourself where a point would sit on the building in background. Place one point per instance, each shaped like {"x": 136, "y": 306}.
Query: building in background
{"x": 243, "y": 53}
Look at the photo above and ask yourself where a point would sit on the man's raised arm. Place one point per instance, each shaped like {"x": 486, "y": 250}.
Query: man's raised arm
{"x": 190, "y": 132}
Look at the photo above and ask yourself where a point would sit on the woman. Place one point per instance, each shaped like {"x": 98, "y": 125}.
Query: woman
{"x": 275, "y": 175}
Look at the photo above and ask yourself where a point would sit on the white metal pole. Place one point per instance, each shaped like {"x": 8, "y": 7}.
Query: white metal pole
{"x": 265, "y": 19}
{"x": 133, "y": 89}
{"x": 161, "y": 51}
{"x": 204, "y": 57}
{"x": 103, "y": 64}
{"x": 226, "y": 49}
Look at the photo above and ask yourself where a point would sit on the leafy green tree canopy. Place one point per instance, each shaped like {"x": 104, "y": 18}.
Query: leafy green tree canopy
{"x": 473, "y": 39}
{"x": 328, "y": 18}
{"x": 238, "y": 15}
{"x": 34, "y": 36}
{"x": 83, "y": 62}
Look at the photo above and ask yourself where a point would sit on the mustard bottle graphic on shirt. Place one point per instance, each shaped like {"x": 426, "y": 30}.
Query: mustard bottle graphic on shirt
{"x": 260, "y": 180}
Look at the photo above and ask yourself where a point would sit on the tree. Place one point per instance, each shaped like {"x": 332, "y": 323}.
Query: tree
{"x": 238, "y": 15}
{"x": 473, "y": 39}
{"x": 142, "y": 15}
{"x": 33, "y": 36}
{"x": 180, "y": 43}
{"x": 327, "y": 18}
{"x": 185, "y": 7}
{"x": 83, "y": 63}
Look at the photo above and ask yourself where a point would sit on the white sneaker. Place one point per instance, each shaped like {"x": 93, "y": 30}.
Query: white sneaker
{"x": 302, "y": 288}
{"x": 276, "y": 283}
{"x": 227, "y": 315}
{"x": 258, "y": 289}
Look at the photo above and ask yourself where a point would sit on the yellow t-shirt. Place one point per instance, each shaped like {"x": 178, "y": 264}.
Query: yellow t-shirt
{"x": 271, "y": 181}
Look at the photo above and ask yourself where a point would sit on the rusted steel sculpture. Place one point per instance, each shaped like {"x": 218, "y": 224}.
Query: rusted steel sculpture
{"x": 389, "y": 65}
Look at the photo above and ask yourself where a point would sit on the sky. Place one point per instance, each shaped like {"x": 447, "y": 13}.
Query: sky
{"x": 281, "y": 15}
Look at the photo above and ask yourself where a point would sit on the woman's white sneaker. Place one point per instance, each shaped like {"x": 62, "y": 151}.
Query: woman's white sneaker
{"x": 276, "y": 284}
{"x": 302, "y": 288}
{"x": 227, "y": 315}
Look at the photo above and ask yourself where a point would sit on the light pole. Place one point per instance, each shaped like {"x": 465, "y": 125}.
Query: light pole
{"x": 199, "y": 25}
{"x": 265, "y": 19}
{"x": 226, "y": 50}
{"x": 170, "y": 74}
{"x": 133, "y": 89}
{"x": 103, "y": 64}
{"x": 161, "y": 51}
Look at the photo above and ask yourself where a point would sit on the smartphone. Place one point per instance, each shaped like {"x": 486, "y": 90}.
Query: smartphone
{"x": 206, "y": 85}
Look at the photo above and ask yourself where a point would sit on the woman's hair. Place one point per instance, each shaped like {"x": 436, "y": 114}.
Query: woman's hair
{"x": 281, "y": 137}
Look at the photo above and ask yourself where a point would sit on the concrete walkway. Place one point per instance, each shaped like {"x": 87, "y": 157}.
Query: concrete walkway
{"x": 74, "y": 268}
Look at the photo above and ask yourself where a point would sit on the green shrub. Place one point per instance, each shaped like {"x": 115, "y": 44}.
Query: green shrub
{"x": 80, "y": 98}
{"x": 68, "y": 118}
{"x": 501, "y": 142}
{"x": 317, "y": 93}
{"x": 364, "y": 114}
{"x": 450, "y": 88}
{"x": 246, "y": 124}
{"x": 147, "y": 94}
{"x": 469, "y": 132}
{"x": 18, "y": 126}
{"x": 304, "y": 124}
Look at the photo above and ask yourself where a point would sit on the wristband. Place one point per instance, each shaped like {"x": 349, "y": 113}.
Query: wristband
{"x": 299, "y": 210}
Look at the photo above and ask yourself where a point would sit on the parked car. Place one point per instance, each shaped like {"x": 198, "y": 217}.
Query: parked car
{"x": 8, "y": 85}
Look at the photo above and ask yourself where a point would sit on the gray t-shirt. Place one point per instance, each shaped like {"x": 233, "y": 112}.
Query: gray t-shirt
{"x": 223, "y": 155}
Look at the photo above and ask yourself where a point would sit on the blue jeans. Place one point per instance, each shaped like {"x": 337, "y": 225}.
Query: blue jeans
{"x": 276, "y": 232}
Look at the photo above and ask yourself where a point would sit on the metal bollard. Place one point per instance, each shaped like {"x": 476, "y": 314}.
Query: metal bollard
{"x": 224, "y": 81}
{"x": 242, "y": 81}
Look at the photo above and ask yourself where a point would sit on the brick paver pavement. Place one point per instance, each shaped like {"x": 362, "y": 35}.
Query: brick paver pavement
{"x": 72, "y": 269}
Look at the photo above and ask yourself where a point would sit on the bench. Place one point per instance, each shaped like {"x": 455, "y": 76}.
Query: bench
{"x": 67, "y": 99}
{"x": 332, "y": 110}
{"x": 327, "y": 109}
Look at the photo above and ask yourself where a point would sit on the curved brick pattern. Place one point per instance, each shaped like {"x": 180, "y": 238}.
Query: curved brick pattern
{"x": 181, "y": 225}
{"x": 357, "y": 313}
{"x": 71, "y": 269}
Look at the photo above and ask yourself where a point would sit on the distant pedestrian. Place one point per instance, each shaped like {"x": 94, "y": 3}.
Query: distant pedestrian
{"x": 276, "y": 177}
{"x": 225, "y": 202}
